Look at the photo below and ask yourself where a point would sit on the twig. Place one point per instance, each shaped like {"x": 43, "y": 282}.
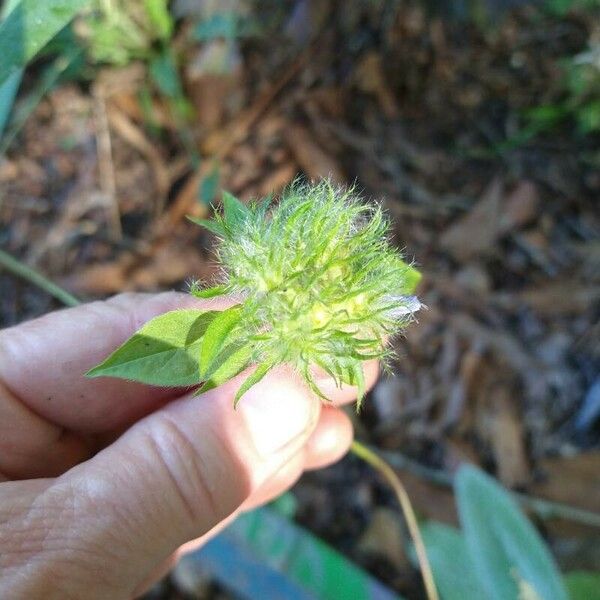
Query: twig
{"x": 29, "y": 274}
{"x": 373, "y": 459}
{"x": 545, "y": 509}
{"x": 106, "y": 168}
{"x": 220, "y": 144}
{"x": 134, "y": 136}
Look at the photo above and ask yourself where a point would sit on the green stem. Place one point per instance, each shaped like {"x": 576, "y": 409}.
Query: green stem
{"x": 20, "y": 269}
{"x": 373, "y": 459}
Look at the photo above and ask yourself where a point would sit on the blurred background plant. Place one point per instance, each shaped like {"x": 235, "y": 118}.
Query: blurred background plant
{"x": 476, "y": 121}
{"x": 117, "y": 32}
{"x": 580, "y": 93}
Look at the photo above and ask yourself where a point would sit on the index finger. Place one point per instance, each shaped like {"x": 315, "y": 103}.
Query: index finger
{"x": 43, "y": 362}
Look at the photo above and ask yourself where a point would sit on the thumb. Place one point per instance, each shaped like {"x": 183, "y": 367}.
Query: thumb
{"x": 171, "y": 478}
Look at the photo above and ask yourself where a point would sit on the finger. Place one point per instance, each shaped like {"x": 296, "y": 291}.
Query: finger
{"x": 330, "y": 440}
{"x": 31, "y": 447}
{"x": 43, "y": 361}
{"x": 171, "y": 478}
{"x": 328, "y": 443}
{"x": 281, "y": 482}
{"x": 285, "y": 478}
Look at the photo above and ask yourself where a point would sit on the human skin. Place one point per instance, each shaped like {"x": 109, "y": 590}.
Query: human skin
{"x": 103, "y": 483}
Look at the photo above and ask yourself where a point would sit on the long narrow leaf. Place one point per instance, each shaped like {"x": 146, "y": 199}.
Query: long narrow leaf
{"x": 29, "y": 27}
{"x": 251, "y": 381}
{"x": 505, "y": 549}
{"x": 263, "y": 555}
{"x": 8, "y": 93}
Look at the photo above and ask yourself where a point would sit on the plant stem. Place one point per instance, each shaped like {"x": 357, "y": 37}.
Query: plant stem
{"x": 32, "y": 276}
{"x": 373, "y": 459}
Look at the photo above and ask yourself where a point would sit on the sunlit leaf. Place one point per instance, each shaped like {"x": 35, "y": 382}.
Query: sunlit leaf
{"x": 252, "y": 380}
{"x": 216, "y": 337}
{"x": 231, "y": 361}
{"x": 163, "y": 352}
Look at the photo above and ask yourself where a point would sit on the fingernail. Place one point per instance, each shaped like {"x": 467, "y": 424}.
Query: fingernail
{"x": 278, "y": 412}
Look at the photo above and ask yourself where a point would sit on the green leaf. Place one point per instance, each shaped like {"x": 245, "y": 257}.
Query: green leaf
{"x": 231, "y": 361}
{"x": 216, "y": 337}
{"x": 412, "y": 279}
{"x": 450, "y": 562}
{"x": 503, "y": 545}
{"x": 29, "y": 26}
{"x": 165, "y": 75}
{"x": 163, "y": 352}
{"x": 252, "y": 380}
{"x": 351, "y": 373}
{"x": 211, "y": 292}
{"x": 358, "y": 379}
{"x": 588, "y": 117}
{"x": 158, "y": 15}
{"x": 212, "y": 225}
{"x": 234, "y": 211}
{"x": 264, "y": 555}
{"x": 8, "y": 93}
{"x": 207, "y": 190}
{"x": 46, "y": 81}
{"x": 583, "y": 585}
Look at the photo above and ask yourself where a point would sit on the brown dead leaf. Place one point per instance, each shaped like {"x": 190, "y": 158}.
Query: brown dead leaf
{"x": 492, "y": 217}
{"x": 383, "y": 537}
{"x": 519, "y": 207}
{"x": 274, "y": 182}
{"x": 159, "y": 268}
{"x": 477, "y": 230}
{"x": 554, "y": 298}
{"x": 315, "y": 162}
{"x": 499, "y": 424}
{"x": 371, "y": 79}
{"x": 573, "y": 480}
{"x": 508, "y": 439}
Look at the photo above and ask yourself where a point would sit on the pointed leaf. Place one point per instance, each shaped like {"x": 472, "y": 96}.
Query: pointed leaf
{"x": 412, "y": 277}
{"x": 216, "y": 336}
{"x": 504, "y": 547}
{"x": 28, "y": 27}
{"x": 163, "y": 352}
{"x": 312, "y": 384}
{"x": 234, "y": 211}
{"x": 231, "y": 361}
{"x": 352, "y": 374}
{"x": 217, "y": 290}
{"x": 252, "y": 380}
{"x": 212, "y": 225}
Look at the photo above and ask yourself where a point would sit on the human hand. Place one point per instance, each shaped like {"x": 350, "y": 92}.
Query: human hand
{"x": 103, "y": 483}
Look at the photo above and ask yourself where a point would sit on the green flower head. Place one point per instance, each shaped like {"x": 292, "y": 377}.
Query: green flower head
{"x": 319, "y": 281}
